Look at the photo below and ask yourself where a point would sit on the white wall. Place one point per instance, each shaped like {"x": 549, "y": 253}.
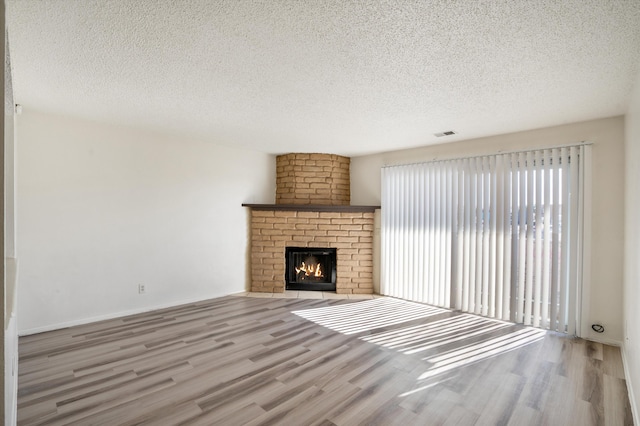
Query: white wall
{"x": 608, "y": 202}
{"x": 9, "y": 354}
{"x": 631, "y": 348}
{"x": 10, "y": 277}
{"x": 103, "y": 208}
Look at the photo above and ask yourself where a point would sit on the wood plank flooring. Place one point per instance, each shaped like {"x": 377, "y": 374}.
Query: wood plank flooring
{"x": 241, "y": 360}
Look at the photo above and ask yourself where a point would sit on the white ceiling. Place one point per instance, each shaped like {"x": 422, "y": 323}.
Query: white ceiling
{"x": 337, "y": 76}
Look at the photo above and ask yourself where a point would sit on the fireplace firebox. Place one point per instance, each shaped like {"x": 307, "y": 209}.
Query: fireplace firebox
{"x": 310, "y": 268}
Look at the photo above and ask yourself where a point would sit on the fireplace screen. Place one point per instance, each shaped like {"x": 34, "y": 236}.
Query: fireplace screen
{"x": 310, "y": 268}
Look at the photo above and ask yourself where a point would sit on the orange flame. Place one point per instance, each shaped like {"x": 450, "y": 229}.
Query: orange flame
{"x": 310, "y": 270}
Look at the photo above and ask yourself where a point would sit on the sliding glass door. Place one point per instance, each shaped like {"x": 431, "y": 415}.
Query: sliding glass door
{"x": 500, "y": 236}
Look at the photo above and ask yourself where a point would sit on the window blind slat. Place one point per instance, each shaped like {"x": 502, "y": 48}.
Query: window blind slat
{"x": 417, "y": 257}
{"x": 515, "y": 240}
{"x": 538, "y": 225}
{"x": 410, "y": 272}
{"x": 459, "y": 188}
{"x": 473, "y": 246}
{"x": 546, "y": 251}
{"x": 448, "y": 234}
{"x": 486, "y": 229}
{"x": 565, "y": 220}
{"x": 498, "y": 238}
{"x": 573, "y": 263}
{"x": 437, "y": 237}
{"x": 507, "y": 237}
{"x": 522, "y": 236}
{"x": 466, "y": 289}
{"x": 477, "y": 303}
{"x": 555, "y": 236}
{"x": 529, "y": 267}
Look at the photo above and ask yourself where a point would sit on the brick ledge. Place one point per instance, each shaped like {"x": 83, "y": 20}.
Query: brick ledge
{"x": 312, "y": 208}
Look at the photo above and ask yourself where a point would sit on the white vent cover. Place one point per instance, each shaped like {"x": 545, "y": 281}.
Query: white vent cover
{"x": 447, "y": 133}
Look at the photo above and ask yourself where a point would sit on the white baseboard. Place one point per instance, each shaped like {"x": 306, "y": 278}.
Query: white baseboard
{"x": 630, "y": 391}
{"x": 604, "y": 341}
{"x": 58, "y": 326}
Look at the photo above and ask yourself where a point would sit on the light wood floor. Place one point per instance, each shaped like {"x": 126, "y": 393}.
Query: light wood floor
{"x": 258, "y": 361}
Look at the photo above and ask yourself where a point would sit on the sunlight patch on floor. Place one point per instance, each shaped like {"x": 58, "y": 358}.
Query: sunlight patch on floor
{"x": 434, "y": 334}
{"x": 445, "y": 344}
{"x": 368, "y": 315}
{"x": 479, "y": 351}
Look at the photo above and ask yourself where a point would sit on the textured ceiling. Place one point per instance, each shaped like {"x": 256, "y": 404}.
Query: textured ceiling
{"x": 337, "y": 76}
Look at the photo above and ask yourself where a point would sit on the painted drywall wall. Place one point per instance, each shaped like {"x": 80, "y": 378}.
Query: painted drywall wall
{"x": 607, "y": 228}
{"x": 631, "y": 347}
{"x": 102, "y": 209}
{"x": 10, "y": 277}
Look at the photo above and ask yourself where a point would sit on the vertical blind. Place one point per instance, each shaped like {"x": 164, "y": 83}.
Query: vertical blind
{"x": 500, "y": 236}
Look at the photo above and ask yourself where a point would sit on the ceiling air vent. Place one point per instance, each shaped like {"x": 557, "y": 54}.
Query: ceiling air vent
{"x": 447, "y": 133}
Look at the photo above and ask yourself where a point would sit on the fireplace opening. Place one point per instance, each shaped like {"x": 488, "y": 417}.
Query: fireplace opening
{"x": 310, "y": 268}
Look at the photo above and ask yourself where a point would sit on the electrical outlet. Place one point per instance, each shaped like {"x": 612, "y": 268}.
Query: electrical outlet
{"x": 142, "y": 289}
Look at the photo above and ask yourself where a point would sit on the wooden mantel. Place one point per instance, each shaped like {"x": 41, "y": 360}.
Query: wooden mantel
{"x": 312, "y": 208}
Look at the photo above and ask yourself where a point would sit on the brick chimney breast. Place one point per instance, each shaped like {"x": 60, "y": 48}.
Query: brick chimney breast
{"x": 319, "y": 179}
{"x": 312, "y": 210}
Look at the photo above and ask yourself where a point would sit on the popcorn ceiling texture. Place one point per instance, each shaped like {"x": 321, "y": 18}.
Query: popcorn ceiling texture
{"x": 313, "y": 179}
{"x": 353, "y": 77}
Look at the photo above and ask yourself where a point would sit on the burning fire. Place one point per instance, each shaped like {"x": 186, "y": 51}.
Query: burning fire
{"x": 310, "y": 270}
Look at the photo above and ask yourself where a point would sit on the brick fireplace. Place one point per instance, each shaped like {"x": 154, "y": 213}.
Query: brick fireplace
{"x": 312, "y": 210}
